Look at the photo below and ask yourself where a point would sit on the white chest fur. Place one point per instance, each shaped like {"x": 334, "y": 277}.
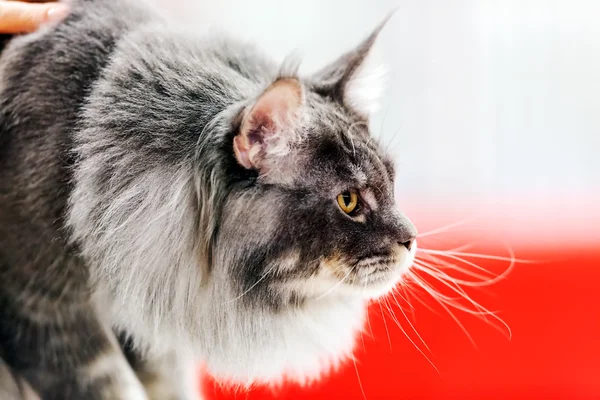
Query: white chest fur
{"x": 298, "y": 344}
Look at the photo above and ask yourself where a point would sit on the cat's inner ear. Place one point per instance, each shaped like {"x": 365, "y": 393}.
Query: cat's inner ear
{"x": 269, "y": 125}
{"x": 357, "y": 78}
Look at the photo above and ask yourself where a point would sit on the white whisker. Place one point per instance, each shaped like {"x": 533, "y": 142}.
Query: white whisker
{"x": 411, "y": 325}
{"x": 480, "y": 311}
{"x": 435, "y": 295}
{"x": 406, "y": 299}
{"x": 475, "y": 255}
{"x": 461, "y": 248}
{"x": 362, "y": 338}
{"x": 336, "y": 285}
{"x": 397, "y": 291}
{"x": 462, "y": 260}
{"x": 448, "y": 265}
{"x": 420, "y": 300}
{"x": 448, "y": 281}
{"x": 386, "y": 327}
{"x": 362, "y": 390}
{"x": 451, "y": 283}
{"x": 442, "y": 229}
{"x": 393, "y": 138}
{"x": 370, "y": 333}
{"x": 462, "y": 327}
{"x": 485, "y": 281}
{"x": 262, "y": 277}
{"x": 496, "y": 278}
{"x": 409, "y": 338}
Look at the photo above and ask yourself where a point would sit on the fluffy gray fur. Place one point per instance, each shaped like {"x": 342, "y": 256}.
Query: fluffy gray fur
{"x": 131, "y": 237}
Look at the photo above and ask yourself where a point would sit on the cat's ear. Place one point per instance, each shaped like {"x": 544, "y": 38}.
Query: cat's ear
{"x": 269, "y": 125}
{"x": 355, "y": 79}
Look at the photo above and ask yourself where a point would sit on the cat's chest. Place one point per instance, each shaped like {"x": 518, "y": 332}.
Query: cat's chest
{"x": 301, "y": 343}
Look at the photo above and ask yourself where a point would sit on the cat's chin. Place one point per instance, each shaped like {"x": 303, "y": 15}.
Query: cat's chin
{"x": 379, "y": 286}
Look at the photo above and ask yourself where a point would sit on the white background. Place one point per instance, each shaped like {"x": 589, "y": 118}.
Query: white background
{"x": 485, "y": 97}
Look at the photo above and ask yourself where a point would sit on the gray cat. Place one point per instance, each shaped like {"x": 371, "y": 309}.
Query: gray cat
{"x": 167, "y": 198}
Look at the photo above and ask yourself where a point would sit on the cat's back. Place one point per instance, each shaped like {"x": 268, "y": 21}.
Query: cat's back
{"x": 45, "y": 78}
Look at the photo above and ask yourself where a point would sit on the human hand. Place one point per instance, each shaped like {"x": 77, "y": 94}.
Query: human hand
{"x": 21, "y": 17}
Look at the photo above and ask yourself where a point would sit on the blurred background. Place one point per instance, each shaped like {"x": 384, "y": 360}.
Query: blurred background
{"x": 492, "y": 111}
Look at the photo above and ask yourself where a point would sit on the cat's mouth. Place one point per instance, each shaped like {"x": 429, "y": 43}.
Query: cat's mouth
{"x": 376, "y": 276}
{"x": 369, "y": 277}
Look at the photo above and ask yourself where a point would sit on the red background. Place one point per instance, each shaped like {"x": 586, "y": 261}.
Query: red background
{"x": 551, "y": 306}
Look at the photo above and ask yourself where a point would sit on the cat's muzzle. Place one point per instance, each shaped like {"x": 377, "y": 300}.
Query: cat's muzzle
{"x": 378, "y": 275}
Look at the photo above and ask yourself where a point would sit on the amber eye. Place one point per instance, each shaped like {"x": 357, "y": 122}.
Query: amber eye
{"x": 347, "y": 201}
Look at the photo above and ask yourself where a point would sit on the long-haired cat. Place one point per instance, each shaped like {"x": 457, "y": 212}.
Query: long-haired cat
{"x": 167, "y": 196}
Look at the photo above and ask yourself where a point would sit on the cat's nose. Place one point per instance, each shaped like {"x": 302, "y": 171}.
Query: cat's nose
{"x": 406, "y": 233}
{"x": 408, "y": 244}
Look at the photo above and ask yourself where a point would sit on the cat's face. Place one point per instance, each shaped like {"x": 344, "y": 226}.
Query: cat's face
{"x": 354, "y": 238}
{"x": 320, "y": 219}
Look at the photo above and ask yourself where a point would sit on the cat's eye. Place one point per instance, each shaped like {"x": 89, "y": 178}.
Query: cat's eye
{"x": 347, "y": 201}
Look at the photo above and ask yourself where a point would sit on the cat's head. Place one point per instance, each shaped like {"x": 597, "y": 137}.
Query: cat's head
{"x": 315, "y": 213}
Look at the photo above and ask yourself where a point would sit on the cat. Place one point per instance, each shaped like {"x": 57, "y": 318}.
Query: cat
{"x": 167, "y": 198}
